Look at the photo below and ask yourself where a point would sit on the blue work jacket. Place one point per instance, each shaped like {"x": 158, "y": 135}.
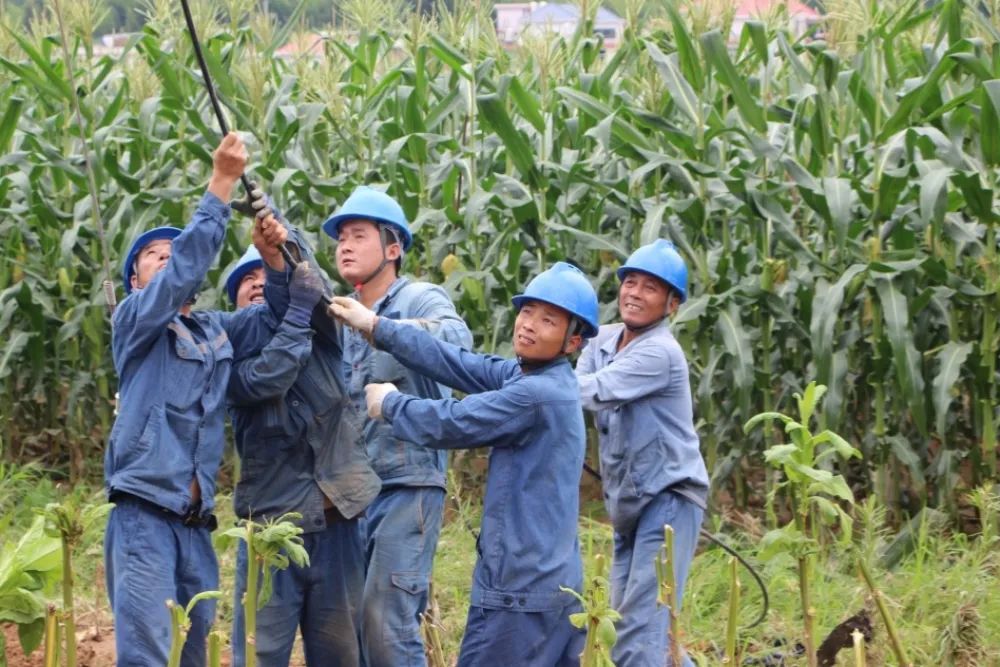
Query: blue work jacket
{"x": 298, "y": 437}
{"x": 396, "y": 461}
{"x": 641, "y": 397}
{"x": 173, "y": 372}
{"x": 527, "y": 545}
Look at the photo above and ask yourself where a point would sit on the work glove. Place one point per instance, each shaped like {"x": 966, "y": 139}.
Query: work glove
{"x": 374, "y": 395}
{"x": 304, "y": 291}
{"x": 353, "y": 313}
{"x": 255, "y": 203}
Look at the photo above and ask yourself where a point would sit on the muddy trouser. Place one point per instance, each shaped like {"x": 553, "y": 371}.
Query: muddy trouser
{"x": 642, "y": 630}
{"x": 322, "y": 600}
{"x": 151, "y": 556}
{"x": 403, "y": 525}
{"x": 503, "y": 638}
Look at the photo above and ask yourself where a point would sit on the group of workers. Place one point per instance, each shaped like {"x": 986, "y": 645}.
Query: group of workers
{"x": 344, "y": 414}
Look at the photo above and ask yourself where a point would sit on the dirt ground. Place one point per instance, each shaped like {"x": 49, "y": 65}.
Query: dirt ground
{"x": 95, "y": 647}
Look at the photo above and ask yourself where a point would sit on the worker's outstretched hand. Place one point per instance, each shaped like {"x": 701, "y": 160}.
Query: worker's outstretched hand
{"x": 374, "y": 395}
{"x": 269, "y": 234}
{"x": 353, "y": 313}
{"x": 228, "y": 162}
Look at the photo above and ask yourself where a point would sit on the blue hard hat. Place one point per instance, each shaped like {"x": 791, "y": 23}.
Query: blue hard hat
{"x": 141, "y": 242}
{"x": 659, "y": 259}
{"x": 248, "y": 262}
{"x": 565, "y": 286}
{"x": 367, "y": 203}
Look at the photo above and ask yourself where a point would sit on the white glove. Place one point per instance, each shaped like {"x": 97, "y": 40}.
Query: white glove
{"x": 375, "y": 394}
{"x": 353, "y": 313}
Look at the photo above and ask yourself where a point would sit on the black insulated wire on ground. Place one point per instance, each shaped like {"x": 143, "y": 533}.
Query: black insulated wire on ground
{"x": 728, "y": 549}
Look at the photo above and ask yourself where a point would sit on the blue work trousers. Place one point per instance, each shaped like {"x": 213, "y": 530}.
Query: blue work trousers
{"x": 503, "y": 638}
{"x": 642, "y": 630}
{"x": 403, "y": 528}
{"x": 323, "y": 600}
{"x": 151, "y": 557}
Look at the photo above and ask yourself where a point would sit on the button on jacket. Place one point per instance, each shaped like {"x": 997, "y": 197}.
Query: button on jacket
{"x": 172, "y": 374}
{"x": 396, "y": 461}
{"x": 641, "y": 395}
{"x": 528, "y": 546}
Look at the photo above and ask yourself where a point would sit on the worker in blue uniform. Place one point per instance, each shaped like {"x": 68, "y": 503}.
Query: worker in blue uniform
{"x": 634, "y": 378}
{"x": 165, "y": 447}
{"x": 301, "y": 450}
{"x": 404, "y": 522}
{"x": 528, "y": 410}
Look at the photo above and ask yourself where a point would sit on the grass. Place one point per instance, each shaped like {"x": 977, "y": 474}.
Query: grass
{"x": 941, "y": 594}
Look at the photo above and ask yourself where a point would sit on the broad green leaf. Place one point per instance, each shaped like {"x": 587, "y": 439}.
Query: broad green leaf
{"x": 680, "y": 90}
{"x": 950, "y": 360}
{"x": 906, "y": 359}
{"x": 717, "y": 54}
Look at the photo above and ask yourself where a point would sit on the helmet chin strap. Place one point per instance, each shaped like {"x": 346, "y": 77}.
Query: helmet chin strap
{"x": 646, "y": 327}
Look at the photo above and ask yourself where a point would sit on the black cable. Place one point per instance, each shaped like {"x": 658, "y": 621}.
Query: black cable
{"x": 222, "y": 119}
{"x": 712, "y": 538}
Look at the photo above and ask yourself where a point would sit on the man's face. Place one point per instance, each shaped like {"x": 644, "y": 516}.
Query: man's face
{"x": 359, "y": 250}
{"x": 539, "y": 332}
{"x": 150, "y": 261}
{"x": 643, "y": 300}
{"x": 251, "y": 288}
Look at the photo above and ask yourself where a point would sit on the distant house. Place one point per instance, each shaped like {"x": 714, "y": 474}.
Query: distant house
{"x": 800, "y": 16}
{"x": 539, "y": 18}
{"x": 303, "y": 44}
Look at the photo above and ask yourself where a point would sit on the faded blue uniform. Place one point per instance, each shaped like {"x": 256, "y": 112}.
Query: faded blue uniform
{"x": 172, "y": 372}
{"x": 404, "y": 522}
{"x": 653, "y": 474}
{"x": 301, "y": 450}
{"x": 527, "y": 546}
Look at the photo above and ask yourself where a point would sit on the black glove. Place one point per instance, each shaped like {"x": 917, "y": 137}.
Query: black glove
{"x": 255, "y": 203}
{"x": 304, "y": 291}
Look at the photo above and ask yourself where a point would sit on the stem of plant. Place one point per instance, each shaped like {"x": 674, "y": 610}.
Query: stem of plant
{"x": 250, "y": 600}
{"x": 69, "y": 619}
{"x": 214, "y": 649}
{"x": 734, "y": 611}
{"x": 883, "y": 610}
{"x": 178, "y": 634}
{"x": 859, "y": 649}
{"x": 669, "y": 585}
{"x": 808, "y": 613}
{"x": 51, "y": 637}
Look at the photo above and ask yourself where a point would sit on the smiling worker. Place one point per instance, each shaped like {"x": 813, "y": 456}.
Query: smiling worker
{"x": 634, "y": 377}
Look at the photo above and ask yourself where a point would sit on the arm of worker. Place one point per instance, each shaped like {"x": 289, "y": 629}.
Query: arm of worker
{"x": 644, "y": 369}
{"x": 488, "y": 419}
{"x": 146, "y": 311}
{"x": 275, "y": 292}
{"x": 435, "y": 313}
{"x": 271, "y": 373}
{"x": 418, "y": 350}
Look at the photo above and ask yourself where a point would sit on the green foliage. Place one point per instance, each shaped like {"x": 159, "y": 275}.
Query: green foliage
{"x": 597, "y": 617}
{"x": 180, "y": 624}
{"x": 834, "y": 201}
{"x": 28, "y": 571}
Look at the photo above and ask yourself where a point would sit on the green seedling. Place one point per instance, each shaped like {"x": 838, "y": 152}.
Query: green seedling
{"x": 51, "y": 636}
{"x": 271, "y": 546}
{"x": 667, "y": 596}
{"x": 215, "y": 641}
{"x": 27, "y": 570}
{"x": 431, "y": 626}
{"x": 734, "y": 613}
{"x": 598, "y": 618}
{"x": 811, "y": 491}
{"x": 180, "y": 624}
{"x": 69, "y": 522}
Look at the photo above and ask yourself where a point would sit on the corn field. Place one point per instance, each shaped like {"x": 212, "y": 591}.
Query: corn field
{"x": 834, "y": 196}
